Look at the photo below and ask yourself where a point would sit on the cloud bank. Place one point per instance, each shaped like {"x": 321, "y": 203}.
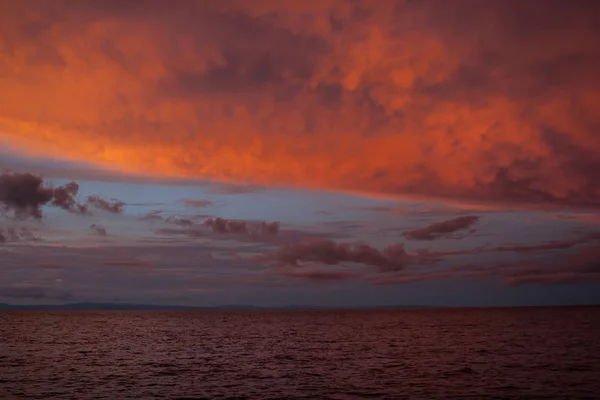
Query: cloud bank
{"x": 329, "y": 252}
{"x": 378, "y": 96}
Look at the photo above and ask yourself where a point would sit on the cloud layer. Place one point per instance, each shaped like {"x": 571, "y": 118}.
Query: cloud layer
{"x": 494, "y": 100}
{"x": 329, "y": 252}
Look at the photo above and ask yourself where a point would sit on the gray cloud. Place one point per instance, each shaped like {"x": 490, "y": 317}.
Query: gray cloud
{"x": 329, "y": 252}
{"x": 317, "y": 275}
{"x": 114, "y": 206}
{"x": 576, "y": 267}
{"x": 25, "y": 194}
{"x": 184, "y": 222}
{"x": 154, "y": 215}
{"x": 12, "y": 234}
{"x": 98, "y": 230}
{"x": 442, "y": 229}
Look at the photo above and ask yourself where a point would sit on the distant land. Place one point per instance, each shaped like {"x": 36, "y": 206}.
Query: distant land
{"x": 153, "y": 307}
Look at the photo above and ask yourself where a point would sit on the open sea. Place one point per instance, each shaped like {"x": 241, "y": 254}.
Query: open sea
{"x": 496, "y": 353}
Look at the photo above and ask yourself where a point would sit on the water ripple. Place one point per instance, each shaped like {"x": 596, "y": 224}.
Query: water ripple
{"x": 545, "y": 353}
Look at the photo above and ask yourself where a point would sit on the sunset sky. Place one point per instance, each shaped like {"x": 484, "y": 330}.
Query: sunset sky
{"x": 314, "y": 152}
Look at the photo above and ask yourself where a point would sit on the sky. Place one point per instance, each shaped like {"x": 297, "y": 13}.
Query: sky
{"x": 276, "y": 152}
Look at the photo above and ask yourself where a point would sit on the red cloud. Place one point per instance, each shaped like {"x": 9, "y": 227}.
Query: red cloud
{"x": 373, "y": 96}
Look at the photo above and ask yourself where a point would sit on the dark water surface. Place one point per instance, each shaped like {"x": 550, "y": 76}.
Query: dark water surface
{"x": 528, "y": 353}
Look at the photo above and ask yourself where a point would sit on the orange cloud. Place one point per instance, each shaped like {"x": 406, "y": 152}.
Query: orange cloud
{"x": 495, "y": 100}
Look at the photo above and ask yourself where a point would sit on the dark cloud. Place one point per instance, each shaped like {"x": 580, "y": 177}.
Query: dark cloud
{"x": 184, "y": 222}
{"x": 316, "y": 275}
{"x": 218, "y": 225}
{"x": 442, "y": 229}
{"x": 25, "y": 195}
{"x": 329, "y": 252}
{"x": 553, "y": 245}
{"x": 580, "y": 266}
{"x": 237, "y": 226}
{"x": 114, "y": 206}
{"x": 271, "y": 228}
{"x": 98, "y": 230}
{"x": 153, "y": 216}
{"x": 539, "y": 248}
{"x": 261, "y": 233}
{"x": 12, "y": 234}
{"x": 64, "y": 196}
{"x": 221, "y": 226}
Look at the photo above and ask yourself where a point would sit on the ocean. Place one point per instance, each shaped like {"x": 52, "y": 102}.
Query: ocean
{"x": 493, "y": 353}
